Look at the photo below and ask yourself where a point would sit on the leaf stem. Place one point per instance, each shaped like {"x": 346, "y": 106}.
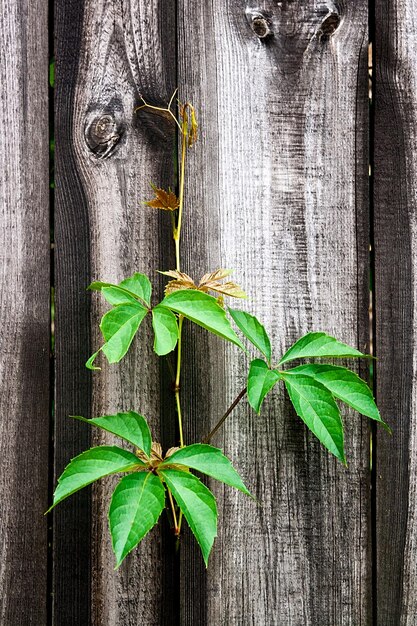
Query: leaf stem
{"x": 178, "y": 380}
{"x": 174, "y": 515}
{"x": 177, "y": 239}
{"x": 235, "y": 402}
{"x": 177, "y": 230}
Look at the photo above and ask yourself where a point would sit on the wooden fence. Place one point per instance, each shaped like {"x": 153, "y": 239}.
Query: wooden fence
{"x": 278, "y": 189}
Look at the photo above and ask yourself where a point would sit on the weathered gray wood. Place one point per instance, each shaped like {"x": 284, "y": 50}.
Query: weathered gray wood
{"x": 278, "y": 191}
{"x": 24, "y": 312}
{"x": 121, "y": 51}
{"x": 395, "y": 286}
{"x": 71, "y": 522}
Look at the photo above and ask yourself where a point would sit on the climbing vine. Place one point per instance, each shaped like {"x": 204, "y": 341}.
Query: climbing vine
{"x": 154, "y": 480}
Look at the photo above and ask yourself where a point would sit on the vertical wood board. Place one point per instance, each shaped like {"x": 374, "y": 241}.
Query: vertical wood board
{"x": 277, "y": 191}
{"x": 395, "y": 167}
{"x": 24, "y": 312}
{"x": 126, "y": 51}
{"x": 71, "y": 527}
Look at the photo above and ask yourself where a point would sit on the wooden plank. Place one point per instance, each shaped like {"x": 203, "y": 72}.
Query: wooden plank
{"x": 71, "y": 520}
{"x": 111, "y": 54}
{"x": 395, "y": 285}
{"x": 278, "y": 191}
{"x": 24, "y": 312}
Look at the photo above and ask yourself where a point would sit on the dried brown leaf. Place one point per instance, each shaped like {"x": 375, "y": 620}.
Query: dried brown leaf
{"x": 176, "y": 274}
{"x": 209, "y": 282}
{"x": 171, "y": 451}
{"x": 216, "y": 275}
{"x": 212, "y": 282}
{"x": 227, "y": 289}
{"x": 156, "y": 450}
{"x": 165, "y": 200}
{"x": 176, "y": 285}
{"x": 181, "y": 281}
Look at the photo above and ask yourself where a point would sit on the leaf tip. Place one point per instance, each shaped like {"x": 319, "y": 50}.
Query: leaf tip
{"x": 92, "y": 368}
{"x": 252, "y": 497}
{"x": 118, "y": 563}
{"x": 386, "y": 427}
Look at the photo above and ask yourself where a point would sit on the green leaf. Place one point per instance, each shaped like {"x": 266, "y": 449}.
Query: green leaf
{"x": 165, "y": 327}
{"x": 132, "y": 288}
{"x": 140, "y": 285}
{"x": 90, "y": 363}
{"x": 208, "y": 460}
{"x": 197, "y": 504}
{"x": 253, "y": 330}
{"x": 129, "y": 426}
{"x": 91, "y": 465}
{"x": 318, "y": 410}
{"x": 320, "y": 345}
{"x": 119, "y": 326}
{"x": 52, "y": 73}
{"x": 203, "y": 310}
{"x": 261, "y": 379}
{"x": 136, "y": 505}
{"x": 345, "y": 385}
{"x": 114, "y": 295}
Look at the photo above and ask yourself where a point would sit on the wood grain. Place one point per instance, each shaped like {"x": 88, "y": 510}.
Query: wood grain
{"x": 395, "y": 167}
{"x": 278, "y": 191}
{"x": 24, "y": 312}
{"x": 108, "y": 156}
{"x": 72, "y": 520}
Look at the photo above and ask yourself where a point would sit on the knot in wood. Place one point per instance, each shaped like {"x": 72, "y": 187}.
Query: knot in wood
{"x": 329, "y": 25}
{"x": 103, "y": 134}
{"x": 260, "y": 23}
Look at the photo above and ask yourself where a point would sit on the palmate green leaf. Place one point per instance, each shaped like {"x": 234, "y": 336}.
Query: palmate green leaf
{"x": 253, "y": 330}
{"x": 118, "y": 322}
{"x": 91, "y": 465}
{"x": 165, "y": 327}
{"x": 197, "y": 504}
{"x": 118, "y": 327}
{"x": 136, "y": 286}
{"x": 320, "y": 345}
{"x": 208, "y": 460}
{"x": 140, "y": 285}
{"x": 203, "y": 310}
{"x": 261, "y": 379}
{"x": 136, "y": 505}
{"x": 114, "y": 295}
{"x": 318, "y": 410}
{"x": 344, "y": 385}
{"x": 130, "y": 426}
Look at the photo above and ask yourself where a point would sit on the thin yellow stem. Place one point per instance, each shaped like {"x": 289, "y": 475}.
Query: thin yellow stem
{"x": 177, "y": 230}
{"x": 145, "y": 105}
{"x": 174, "y": 515}
{"x": 177, "y": 239}
{"x": 178, "y": 381}
{"x": 172, "y": 99}
{"x": 177, "y": 252}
